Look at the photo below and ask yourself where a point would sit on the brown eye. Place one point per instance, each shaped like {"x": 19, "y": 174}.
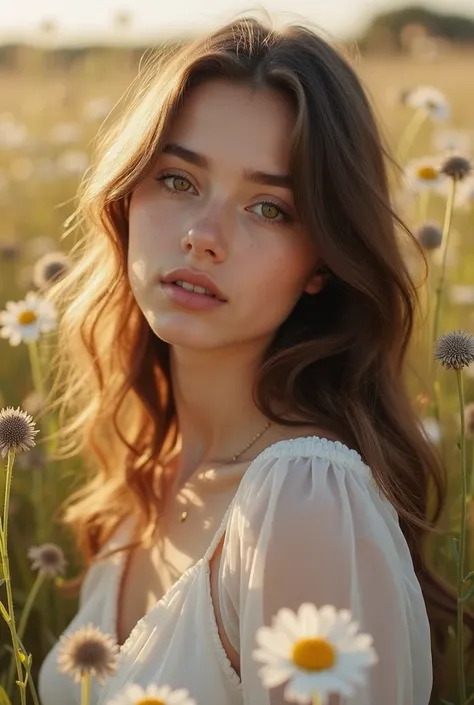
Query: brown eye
{"x": 270, "y": 211}
{"x": 175, "y": 183}
{"x": 179, "y": 183}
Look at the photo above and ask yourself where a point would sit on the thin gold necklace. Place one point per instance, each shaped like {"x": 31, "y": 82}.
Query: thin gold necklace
{"x": 184, "y": 515}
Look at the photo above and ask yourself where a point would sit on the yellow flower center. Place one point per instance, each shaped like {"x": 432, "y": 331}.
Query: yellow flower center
{"x": 427, "y": 173}
{"x": 313, "y": 654}
{"x": 150, "y": 701}
{"x": 27, "y": 317}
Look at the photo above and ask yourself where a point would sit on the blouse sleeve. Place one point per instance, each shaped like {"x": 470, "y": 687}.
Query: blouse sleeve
{"x": 309, "y": 529}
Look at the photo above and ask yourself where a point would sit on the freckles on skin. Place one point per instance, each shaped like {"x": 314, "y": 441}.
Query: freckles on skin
{"x": 262, "y": 268}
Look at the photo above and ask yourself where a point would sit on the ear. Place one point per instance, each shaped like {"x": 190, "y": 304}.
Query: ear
{"x": 315, "y": 283}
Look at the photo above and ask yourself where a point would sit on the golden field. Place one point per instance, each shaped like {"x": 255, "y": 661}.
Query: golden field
{"x": 51, "y": 108}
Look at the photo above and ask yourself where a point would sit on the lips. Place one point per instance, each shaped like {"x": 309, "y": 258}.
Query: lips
{"x": 194, "y": 277}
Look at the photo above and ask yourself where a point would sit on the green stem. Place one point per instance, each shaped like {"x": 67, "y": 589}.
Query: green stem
{"x": 36, "y": 368}
{"x": 6, "y": 575}
{"x": 316, "y": 698}
{"x": 34, "y": 694}
{"x": 462, "y": 544}
{"x": 439, "y": 290}
{"x": 26, "y": 613}
{"x": 86, "y": 689}
{"x": 410, "y": 132}
{"x": 472, "y": 471}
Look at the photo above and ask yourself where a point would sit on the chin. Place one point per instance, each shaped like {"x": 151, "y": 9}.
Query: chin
{"x": 183, "y": 336}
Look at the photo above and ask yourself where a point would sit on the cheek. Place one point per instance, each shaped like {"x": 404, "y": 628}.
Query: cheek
{"x": 275, "y": 282}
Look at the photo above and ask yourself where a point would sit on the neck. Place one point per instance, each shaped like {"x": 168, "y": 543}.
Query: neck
{"x": 217, "y": 416}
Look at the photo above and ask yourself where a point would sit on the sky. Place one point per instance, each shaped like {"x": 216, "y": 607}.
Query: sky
{"x": 152, "y": 18}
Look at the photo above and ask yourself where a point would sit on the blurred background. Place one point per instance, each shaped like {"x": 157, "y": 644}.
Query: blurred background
{"x": 63, "y": 68}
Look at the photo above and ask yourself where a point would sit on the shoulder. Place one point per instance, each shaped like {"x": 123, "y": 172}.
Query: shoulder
{"x": 307, "y": 453}
{"x": 315, "y": 479}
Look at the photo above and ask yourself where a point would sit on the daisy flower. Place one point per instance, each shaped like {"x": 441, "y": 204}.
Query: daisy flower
{"x": 153, "y": 695}
{"x": 87, "y": 652}
{"x": 432, "y": 100}
{"x": 317, "y": 651}
{"x": 424, "y": 174}
{"x": 48, "y": 559}
{"x": 23, "y": 321}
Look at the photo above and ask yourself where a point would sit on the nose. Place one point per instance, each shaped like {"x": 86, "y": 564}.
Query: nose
{"x": 204, "y": 239}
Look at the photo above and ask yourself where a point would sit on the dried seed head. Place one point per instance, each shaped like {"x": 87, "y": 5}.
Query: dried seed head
{"x": 10, "y": 251}
{"x": 49, "y": 268}
{"x": 455, "y": 350}
{"x": 429, "y": 235}
{"x": 48, "y": 559}
{"x": 87, "y": 651}
{"x": 17, "y": 431}
{"x": 456, "y": 166}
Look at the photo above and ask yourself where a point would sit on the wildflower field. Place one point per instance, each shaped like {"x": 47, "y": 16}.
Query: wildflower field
{"x": 51, "y": 110}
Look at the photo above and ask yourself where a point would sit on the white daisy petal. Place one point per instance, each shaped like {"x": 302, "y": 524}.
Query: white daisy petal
{"x": 267, "y": 657}
{"x": 15, "y": 339}
{"x": 272, "y": 677}
{"x": 356, "y": 659}
{"x": 5, "y": 317}
{"x": 297, "y": 695}
{"x": 31, "y": 298}
{"x": 342, "y": 628}
{"x": 327, "y": 616}
{"x": 11, "y": 306}
{"x": 309, "y": 620}
{"x": 287, "y": 621}
{"x": 279, "y": 644}
{"x": 178, "y": 697}
{"x": 133, "y": 693}
{"x": 5, "y": 332}
{"x": 353, "y": 652}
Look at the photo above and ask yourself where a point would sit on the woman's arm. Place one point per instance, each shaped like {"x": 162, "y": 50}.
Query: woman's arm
{"x": 315, "y": 530}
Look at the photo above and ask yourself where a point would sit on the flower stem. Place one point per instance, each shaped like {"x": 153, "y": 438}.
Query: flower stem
{"x": 439, "y": 290}
{"x": 6, "y": 575}
{"x": 462, "y": 544}
{"x": 26, "y": 613}
{"x": 86, "y": 689}
{"x": 36, "y": 368}
{"x": 410, "y": 132}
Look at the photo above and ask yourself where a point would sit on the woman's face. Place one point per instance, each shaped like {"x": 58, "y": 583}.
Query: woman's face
{"x": 208, "y": 209}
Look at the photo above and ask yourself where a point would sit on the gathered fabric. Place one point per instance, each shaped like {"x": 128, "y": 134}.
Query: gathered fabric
{"x": 306, "y": 524}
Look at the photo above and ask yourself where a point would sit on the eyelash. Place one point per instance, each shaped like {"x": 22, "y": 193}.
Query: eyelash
{"x": 286, "y": 217}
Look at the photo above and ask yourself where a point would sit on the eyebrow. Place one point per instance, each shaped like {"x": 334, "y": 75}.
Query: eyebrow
{"x": 257, "y": 177}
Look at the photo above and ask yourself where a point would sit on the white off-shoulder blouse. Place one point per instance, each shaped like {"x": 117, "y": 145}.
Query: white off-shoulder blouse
{"x": 306, "y": 524}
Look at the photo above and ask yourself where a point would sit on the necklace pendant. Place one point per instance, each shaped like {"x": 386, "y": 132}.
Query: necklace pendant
{"x": 183, "y": 516}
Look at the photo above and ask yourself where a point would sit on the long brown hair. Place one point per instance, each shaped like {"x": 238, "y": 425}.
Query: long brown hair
{"x": 339, "y": 359}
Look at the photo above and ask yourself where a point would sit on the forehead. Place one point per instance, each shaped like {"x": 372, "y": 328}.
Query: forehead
{"x": 231, "y": 122}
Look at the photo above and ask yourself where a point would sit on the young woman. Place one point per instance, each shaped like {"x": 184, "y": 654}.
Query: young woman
{"x": 254, "y": 442}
